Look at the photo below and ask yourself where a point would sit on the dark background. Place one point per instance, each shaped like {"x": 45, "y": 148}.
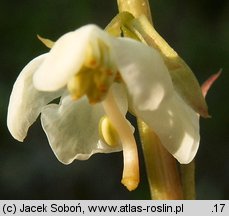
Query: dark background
{"x": 197, "y": 30}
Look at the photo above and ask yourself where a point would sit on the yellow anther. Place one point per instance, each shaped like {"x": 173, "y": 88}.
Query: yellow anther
{"x": 118, "y": 77}
{"x": 94, "y": 94}
{"x": 92, "y": 58}
{"x": 79, "y": 84}
{"x": 109, "y": 72}
{"x": 103, "y": 88}
{"x": 93, "y": 63}
{"x": 108, "y": 132}
{"x": 101, "y": 78}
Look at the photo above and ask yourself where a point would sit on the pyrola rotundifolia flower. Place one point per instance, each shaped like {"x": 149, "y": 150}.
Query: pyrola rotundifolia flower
{"x": 97, "y": 78}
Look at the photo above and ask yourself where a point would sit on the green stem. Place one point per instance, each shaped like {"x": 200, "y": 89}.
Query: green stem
{"x": 161, "y": 167}
{"x": 135, "y": 7}
{"x": 188, "y": 180}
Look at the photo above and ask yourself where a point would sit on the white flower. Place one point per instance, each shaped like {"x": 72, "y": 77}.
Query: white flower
{"x": 85, "y": 68}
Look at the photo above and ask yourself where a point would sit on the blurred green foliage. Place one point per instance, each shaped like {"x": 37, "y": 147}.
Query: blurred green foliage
{"x": 197, "y": 30}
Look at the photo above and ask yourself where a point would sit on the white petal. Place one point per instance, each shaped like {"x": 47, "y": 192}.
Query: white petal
{"x": 144, "y": 73}
{"x": 177, "y": 126}
{"x": 120, "y": 95}
{"x": 67, "y": 57}
{"x": 25, "y": 101}
{"x": 72, "y": 129}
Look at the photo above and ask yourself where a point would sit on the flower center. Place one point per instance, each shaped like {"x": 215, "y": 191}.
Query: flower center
{"x": 96, "y": 75}
{"x": 94, "y": 80}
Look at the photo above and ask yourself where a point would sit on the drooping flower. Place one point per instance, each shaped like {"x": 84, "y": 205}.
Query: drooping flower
{"x": 86, "y": 68}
